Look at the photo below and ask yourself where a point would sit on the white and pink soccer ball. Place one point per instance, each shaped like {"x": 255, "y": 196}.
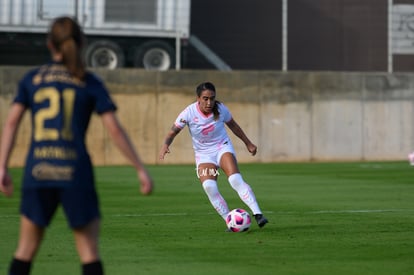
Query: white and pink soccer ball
{"x": 238, "y": 220}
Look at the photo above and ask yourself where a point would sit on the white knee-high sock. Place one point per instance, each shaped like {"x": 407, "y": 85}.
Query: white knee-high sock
{"x": 216, "y": 199}
{"x": 245, "y": 192}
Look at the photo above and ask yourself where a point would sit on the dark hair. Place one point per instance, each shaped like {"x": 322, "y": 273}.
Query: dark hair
{"x": 209, "y": 86}
{"x": 67, "y": 38}
{"x": 205, "y": 86}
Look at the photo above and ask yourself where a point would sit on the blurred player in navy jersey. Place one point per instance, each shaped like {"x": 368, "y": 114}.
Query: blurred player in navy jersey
{"x": 62, "y": 96}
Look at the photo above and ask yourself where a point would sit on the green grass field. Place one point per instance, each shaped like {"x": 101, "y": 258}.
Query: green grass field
{"x": 325, "y": 218}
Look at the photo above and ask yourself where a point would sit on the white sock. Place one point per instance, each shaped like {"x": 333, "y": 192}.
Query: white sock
{"x": 218, "y": 202}
{"x": 245, "y": 192}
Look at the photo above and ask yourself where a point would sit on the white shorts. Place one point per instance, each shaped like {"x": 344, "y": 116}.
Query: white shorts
{"x": 214, "y": 157}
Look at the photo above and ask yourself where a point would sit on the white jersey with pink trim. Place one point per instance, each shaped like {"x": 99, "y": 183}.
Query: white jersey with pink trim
{"x": 208, "y": 135}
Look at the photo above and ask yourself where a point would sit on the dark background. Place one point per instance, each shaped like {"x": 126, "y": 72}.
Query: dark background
{"x": 334, "y": 35}
{"x": 323, "y": 35}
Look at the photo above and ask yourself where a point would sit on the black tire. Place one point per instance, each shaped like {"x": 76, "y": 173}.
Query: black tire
{"x": 104, "y": 54}
{"x": 154, "y": 55}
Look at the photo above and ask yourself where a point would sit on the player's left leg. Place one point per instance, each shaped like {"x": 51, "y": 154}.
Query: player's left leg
{"x": 37, "y": 208}
{"x": 229, "y": 165}
{"x": 29, "y": 242}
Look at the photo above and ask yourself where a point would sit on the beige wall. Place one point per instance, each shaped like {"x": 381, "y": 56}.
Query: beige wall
{"x": 295, "y": 116}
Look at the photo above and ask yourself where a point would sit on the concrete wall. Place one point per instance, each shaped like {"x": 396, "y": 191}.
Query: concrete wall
{"x": 295, "y": 116}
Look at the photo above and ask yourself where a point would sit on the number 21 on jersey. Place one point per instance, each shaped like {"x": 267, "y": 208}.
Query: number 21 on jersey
{"x": 41, "y": 133}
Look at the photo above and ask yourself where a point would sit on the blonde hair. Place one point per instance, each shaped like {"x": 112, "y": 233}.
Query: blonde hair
{"x": 67, "y": 38}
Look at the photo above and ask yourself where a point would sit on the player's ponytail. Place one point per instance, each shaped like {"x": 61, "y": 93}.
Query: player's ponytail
{"x": 216, "y": 112}
{"x": 67, "y": 38}
{"x": 72, "y": 58}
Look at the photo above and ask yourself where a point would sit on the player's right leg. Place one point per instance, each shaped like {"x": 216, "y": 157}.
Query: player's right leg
{"x": 86, "y": 239}
{"x": 207, "y": 173}
{"x": 82, "y": 211}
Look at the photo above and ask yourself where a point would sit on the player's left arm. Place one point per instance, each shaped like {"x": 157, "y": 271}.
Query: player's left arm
{"x": 238, "y": 131}
{"x": 7, "y": 142}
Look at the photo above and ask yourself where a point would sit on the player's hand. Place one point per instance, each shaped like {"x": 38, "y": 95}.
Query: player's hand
{"x": 164, "y": 150}
{"x": 6, "y": 184}
{"x": 147, "y": 185}
{"x": 252, "y": 149}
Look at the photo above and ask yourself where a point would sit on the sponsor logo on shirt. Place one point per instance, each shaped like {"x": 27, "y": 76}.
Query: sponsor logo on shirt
{"x": 48, "y": 171}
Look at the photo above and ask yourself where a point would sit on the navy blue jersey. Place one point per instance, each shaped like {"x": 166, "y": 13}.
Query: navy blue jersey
{"x": 61, "y": 107}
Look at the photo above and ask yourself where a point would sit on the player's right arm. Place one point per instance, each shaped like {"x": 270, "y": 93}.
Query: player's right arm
{"x": 122, "y": 141}
{"x": 7, "y": 142}
{"x": 165, "y": 148}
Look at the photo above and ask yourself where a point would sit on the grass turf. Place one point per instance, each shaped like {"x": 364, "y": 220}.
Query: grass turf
{"x": 325, "y": 218}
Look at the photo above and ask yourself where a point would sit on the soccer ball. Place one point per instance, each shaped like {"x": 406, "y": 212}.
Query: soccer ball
{"x": 238, "y": 220}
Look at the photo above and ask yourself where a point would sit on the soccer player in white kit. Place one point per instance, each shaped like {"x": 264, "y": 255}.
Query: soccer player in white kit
{"x": 206, "y": 119}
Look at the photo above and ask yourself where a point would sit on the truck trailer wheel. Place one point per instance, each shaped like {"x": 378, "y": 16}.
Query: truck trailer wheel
{"x": 104, "y": 54}
{"x": 154, "y": 55}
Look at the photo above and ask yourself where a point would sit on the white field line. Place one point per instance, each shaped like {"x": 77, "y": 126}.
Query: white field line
{"x": 315, "y": 212}
{"x": 359, "y": 211}
{"x": 276, "y": 212}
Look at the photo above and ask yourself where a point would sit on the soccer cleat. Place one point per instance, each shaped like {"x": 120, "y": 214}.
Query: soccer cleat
{"x": 261, "y": 220}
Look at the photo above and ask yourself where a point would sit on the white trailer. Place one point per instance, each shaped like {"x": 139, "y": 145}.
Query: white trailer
{"x": 137, "y": 33}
